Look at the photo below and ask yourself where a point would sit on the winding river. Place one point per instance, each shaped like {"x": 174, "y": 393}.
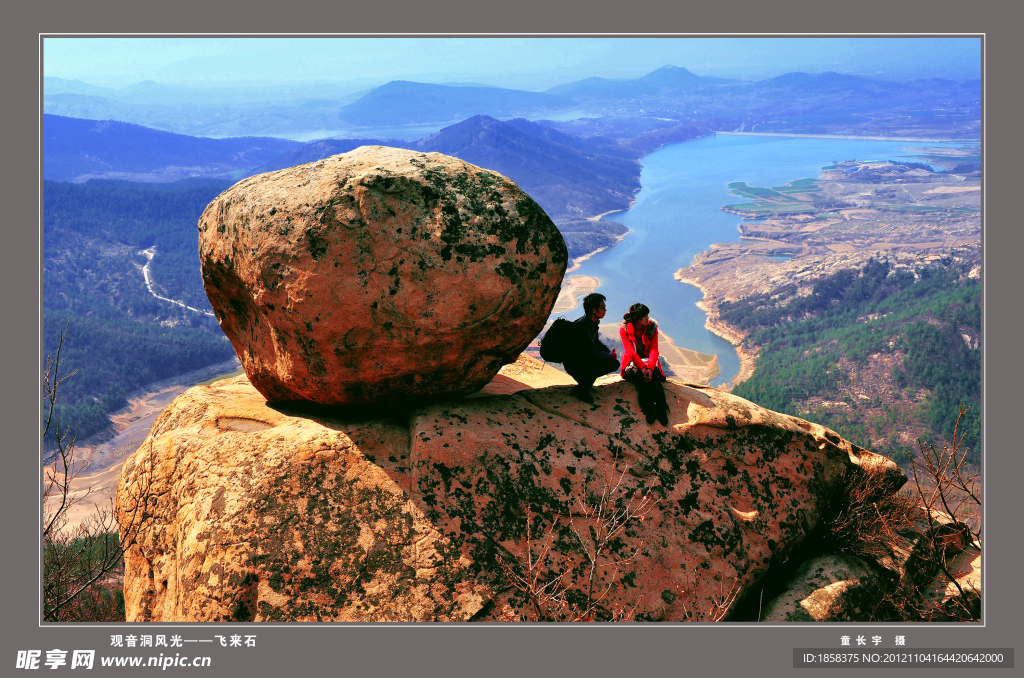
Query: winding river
{"x": 677, "y": 215}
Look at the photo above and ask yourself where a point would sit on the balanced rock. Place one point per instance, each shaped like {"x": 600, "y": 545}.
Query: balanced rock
{"x": 378, "y": 276}
{"x": 277, "y": 513}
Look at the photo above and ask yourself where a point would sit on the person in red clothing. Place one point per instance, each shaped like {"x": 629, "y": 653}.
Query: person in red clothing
{"x": 640, "y": 364}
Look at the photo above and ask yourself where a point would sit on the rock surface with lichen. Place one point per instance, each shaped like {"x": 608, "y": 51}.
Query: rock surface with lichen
{"x": 378, "y": 276}
{"x": 281, "y": 513}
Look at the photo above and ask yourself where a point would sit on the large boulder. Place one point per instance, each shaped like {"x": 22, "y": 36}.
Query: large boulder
{"x": 260, "y": 512}
{"x": 378, "y": 276}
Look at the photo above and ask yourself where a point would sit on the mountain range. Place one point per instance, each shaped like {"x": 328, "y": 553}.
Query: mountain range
{"x": 663, "y": 81}
{"x": 796, "y": 102}
{"x": 403, "y": 103}
{"x": 569, "y": 176}
{"x": 78, "y": 150}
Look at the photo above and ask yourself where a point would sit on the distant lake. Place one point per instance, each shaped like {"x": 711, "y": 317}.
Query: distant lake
{"x": 678, "y": 214}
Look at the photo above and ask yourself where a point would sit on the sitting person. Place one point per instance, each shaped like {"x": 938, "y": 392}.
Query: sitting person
{"x": 640, "y": 365}
{"x": 591, "y": 359}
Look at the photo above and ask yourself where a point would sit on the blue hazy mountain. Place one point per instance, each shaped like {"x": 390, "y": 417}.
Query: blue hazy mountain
{"x": 207, "y": 118}
{"x": 817, "y": 83}
{"x": 824, "y": 103}
{"x": 665, "y": 80}
{"x": 570, "y": 177}
{"x": 53, "y": 85}
{"x": 76, "y": 149}
{"x": 156, "y": 93}
{"x": 405, "y": 103}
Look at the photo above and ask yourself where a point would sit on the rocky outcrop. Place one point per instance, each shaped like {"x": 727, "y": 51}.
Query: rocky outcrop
{"x": 260, "y": 512}
{"x": 832, "y": 587}
{"x": 898, "y": 577}
{"x": 378, "y": 276}
{"x": 956, "y": 596}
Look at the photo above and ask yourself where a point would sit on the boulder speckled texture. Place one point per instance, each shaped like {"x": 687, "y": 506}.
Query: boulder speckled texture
{"x": 269, "y": 514}
{"x": 255, "y": 515}
{"x": 378, "y": 276}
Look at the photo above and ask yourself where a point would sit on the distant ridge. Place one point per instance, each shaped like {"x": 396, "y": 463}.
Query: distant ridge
{"x": 570, "y": 177}
{"x": 662, "y": 81}
{"x": 813, "y": 103}
{"x": 77, "y": 150}
{"x": 401, "y": 102}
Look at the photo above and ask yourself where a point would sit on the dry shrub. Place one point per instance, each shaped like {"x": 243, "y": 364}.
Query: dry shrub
{"x": 870, "y": 515}
{"x": 934, "y": 518}
{"x": 78, "y": 561}
{"x": 548, "y": 577}
{"x": 713, "y": 610}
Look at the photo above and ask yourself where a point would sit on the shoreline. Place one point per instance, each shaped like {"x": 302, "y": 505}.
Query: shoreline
{"x": 118, "y": 419}
{"x": 575, "y": 263}
{"x": 578, "y": 261}
{"x": 572, "y": 287}
{"x": 748, "y": 358}
{"x": 602, "y": 215}
{"x": 847, "y": 136}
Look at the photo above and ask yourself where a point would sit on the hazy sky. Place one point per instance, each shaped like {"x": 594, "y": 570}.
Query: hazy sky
{"x": 527, "y": 63}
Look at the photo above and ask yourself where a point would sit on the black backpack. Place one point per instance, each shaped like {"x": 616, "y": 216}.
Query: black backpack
{"x": 557, "y": 341}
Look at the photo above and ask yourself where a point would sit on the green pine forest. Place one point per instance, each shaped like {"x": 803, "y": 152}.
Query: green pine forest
{"x": 120, "y": 338}
{"x": 821, "y": 345}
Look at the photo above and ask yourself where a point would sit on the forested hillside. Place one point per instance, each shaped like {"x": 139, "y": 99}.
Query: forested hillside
{"x": 882, "y": 356}
{"x": 121, "y": 337}
{"x": 570, "y": 177}
{"x": 75, "y": 149}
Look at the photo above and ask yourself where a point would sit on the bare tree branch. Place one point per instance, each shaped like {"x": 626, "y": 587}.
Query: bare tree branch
{"x": 542, "y": 574}
{"x": 77, "y": 560}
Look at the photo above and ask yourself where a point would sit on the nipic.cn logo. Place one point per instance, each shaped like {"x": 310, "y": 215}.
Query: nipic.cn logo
{"x": 30, "y": 659}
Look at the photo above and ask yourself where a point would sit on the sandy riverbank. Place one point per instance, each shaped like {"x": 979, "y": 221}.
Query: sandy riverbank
{"x": 687, "y": 365}
{"x": 714, "y": 325}
{"x": 101, "y": 456}
{"x": 573, "y": 287}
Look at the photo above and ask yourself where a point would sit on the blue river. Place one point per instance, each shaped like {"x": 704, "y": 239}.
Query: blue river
{"x": 678, "y": 214}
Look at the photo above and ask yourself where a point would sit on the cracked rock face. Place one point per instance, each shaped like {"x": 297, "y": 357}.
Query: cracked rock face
{"x": 378, "y": 276}
{"x": 262, "y": 513}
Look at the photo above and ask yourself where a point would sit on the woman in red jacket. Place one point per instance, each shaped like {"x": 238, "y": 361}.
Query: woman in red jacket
{"x": 640, "y": 364}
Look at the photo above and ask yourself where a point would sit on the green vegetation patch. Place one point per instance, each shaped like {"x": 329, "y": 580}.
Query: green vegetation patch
{"x": 770, "y": 208}
{"x": 853, "y": 315}
{"x": 773, "y": 201}
{"x": 116, "y": 357}
{"x": 741, "y": 189}
{"x": 800, "y": 186}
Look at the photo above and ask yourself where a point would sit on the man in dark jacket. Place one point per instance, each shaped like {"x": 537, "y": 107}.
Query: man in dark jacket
{"x": 592, "y": 358}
